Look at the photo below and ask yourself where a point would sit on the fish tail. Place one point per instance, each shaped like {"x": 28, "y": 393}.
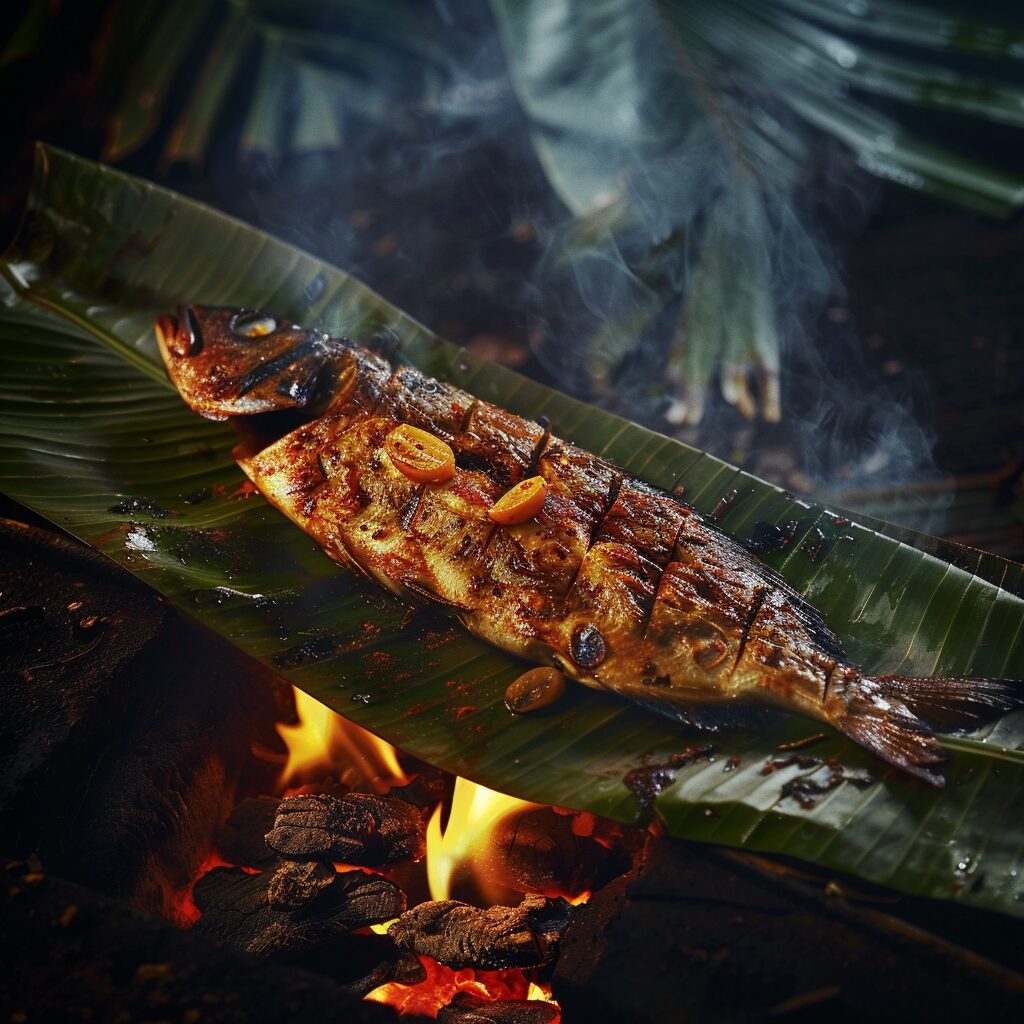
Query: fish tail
{"x": 950, "y": 702}
{"x": 894, "y": 716}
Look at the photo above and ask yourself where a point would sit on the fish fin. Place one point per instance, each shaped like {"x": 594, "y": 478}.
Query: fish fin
{"x": 707, "y": 718}
{"x": 878, "y": 720}
{"x": 427, "y": 593}
{"x": 948, "y": 702}
{"x": 818, "y": 629}
{"x": 812, "y": 619}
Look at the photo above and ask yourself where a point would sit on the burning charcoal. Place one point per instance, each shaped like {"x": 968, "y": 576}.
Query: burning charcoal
{"x": 469, "y": 1009}
{"x": 498, "y": 938}
{"x": 356, "y": 829}
{"x": 409, "y": 969}
{"x": 298, "y": 882}
{"x": 242, "y": 838}
{"x": 78, "y": 635}
{"x": 76, "y": 956}
{"x": 236, "y": 910}
{"x": 360, "y": 963}
{"x": 540, "y": 850}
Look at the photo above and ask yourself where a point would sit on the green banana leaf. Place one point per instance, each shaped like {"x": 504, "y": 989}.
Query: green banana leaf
{"x": 92, "y": 436}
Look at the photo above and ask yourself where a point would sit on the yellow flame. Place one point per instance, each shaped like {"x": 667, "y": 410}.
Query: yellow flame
{"x": 475, "y": 811}
{"x": 542, "y": 992}
{"x": 322, "y": 743}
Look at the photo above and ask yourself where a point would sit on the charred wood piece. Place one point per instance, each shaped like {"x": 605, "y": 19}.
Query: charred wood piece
{"x": 298, "y": 882}
{"x": 360, "y": 963}
{"x": 409, "y": 969}
{"x": 74, "y": 955}
{"x": 164, "y": 759}
{"x": 469, "y": 1009}
{"x": 540, "y": 850}
{"x": 242, "y": 838}
{"x": 356, "y": 829}
{"x": 497, "y": 938}
{"x": 400, "y": 968}
{"x": 730, "y": 937}
{"x": 236, "y": 909}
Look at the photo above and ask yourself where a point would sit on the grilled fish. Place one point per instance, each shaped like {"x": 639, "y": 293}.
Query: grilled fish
{"x": 620, "y": 585}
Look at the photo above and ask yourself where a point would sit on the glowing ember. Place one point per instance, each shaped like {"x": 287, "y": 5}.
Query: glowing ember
{"x": 180, "y": 907}
{"x": 324, "y": 744}
{"x": 475, "y": 811}
{"x": 442, "y": 984}
{"x": 322, "y": 747}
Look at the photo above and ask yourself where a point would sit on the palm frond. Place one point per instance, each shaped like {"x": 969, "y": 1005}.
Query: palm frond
{"x": 915, "y": 25}
{"x": 697, "y": 126}
{"x": 286, "y": 73}
{"x": 28, "y": 33}
{"x": 706, "y": 120}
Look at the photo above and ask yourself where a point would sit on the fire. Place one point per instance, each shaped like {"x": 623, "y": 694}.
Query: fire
{"x": 542, "y": 992}
{"x": 442, "y": 984}
{"x": 475, "y": 811}
{"x": 180, "y": 907}
{"x": 323, "y": 743}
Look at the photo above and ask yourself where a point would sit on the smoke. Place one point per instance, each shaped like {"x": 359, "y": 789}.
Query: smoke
{"x": 701, "y": 282}
{"x": 664, "y": 239}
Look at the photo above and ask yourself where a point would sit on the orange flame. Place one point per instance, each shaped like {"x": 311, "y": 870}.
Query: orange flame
{"x": 442, "y": 984}
{"x": 180, "y": 907}
{"x": 323, "y": 743}
{"x": 475, "y": 812}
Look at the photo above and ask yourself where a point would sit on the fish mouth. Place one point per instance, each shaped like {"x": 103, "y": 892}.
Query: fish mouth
{"x": 178, "y": 336}
{"x": 165, "y": 327}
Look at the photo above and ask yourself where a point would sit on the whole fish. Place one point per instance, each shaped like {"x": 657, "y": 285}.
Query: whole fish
{"x": 616, "y": 583}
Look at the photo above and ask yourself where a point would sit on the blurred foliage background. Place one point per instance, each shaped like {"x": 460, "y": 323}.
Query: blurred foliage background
{"x": 647, "y": 203}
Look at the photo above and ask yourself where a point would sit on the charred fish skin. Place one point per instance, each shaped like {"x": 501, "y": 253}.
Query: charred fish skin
{"x": 239, "y": 362}
{"x": 614, "y": 582}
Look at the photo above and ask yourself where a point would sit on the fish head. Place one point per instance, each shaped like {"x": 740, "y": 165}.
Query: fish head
{"x": 236, "y": 362}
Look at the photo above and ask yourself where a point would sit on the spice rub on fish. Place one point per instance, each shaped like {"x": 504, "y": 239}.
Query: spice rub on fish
{"x": 614, "y": 582}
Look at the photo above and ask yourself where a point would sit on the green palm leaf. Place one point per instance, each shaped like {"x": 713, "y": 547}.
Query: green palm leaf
{"x": 92, "y": 436}
{"x": 286, "y": 73}
{"x": 706, "y": 122}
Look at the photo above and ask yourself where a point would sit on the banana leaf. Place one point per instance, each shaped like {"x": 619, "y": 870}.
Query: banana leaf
{"x": 92, "y": 436}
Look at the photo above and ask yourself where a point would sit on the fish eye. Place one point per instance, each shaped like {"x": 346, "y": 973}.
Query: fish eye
{"x": 252, "y": 324}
